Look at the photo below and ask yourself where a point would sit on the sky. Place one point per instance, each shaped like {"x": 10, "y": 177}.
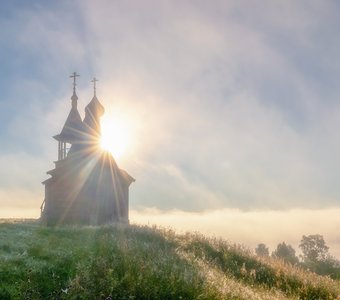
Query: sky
{"x": 232, "y": 108}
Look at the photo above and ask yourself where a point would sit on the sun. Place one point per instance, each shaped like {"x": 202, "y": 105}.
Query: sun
{"x": 115, "y": 135}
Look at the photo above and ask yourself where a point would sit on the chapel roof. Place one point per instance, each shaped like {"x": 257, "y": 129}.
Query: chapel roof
{"x": 73, "y": 127}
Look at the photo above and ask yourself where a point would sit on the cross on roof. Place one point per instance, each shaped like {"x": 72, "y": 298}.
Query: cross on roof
{"x": 94, "y": 80}
{"x": 74, "y": 75}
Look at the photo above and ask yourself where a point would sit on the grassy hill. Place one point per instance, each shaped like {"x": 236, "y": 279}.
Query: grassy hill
{"x": 134, "y": 262}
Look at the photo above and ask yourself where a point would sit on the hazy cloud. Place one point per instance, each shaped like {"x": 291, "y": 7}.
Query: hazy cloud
{"x": 233, "y": 104}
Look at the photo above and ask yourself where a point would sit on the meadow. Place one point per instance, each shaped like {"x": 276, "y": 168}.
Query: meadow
{"x": 140, "y": 262}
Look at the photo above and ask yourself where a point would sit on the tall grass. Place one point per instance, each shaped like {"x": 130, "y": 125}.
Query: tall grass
{"x": 139, "y": 262}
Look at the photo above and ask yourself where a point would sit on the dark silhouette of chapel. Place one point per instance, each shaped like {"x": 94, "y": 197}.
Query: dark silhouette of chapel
{"x": 86, "y": 186}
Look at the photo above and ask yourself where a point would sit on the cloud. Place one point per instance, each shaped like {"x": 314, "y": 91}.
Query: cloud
{"x": 219, "y": 101}
{"x": 23, "y": 203}
{"x": 232, "y": 105}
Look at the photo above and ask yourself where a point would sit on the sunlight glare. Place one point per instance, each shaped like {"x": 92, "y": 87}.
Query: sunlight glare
{"x": 115, "y": 135}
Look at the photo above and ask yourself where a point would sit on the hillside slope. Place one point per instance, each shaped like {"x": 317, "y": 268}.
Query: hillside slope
{"x": 133, "y": 262}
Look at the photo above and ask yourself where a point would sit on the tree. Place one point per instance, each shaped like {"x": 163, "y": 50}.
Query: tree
{"x": 285, "y": 252}
{"x": 316, "y": 257}
{"x": 313, "y": 248}
{"x": 262, "y": 250}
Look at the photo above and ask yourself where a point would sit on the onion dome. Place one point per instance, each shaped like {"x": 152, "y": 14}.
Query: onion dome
{"x": 93, "y": 111}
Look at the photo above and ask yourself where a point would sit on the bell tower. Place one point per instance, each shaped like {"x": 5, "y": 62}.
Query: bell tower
{"x": 73, "y": 127}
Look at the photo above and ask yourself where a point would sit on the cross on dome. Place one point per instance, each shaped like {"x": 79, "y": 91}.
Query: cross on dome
{"x": 94, "y": 80}
{"x": 74, "y": 76}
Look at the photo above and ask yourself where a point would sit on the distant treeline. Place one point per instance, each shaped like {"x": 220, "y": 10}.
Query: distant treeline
{"x": 315, "y": 255}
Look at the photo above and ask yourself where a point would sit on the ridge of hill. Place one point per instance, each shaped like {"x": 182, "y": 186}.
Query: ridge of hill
{"x": 140, "y": 262}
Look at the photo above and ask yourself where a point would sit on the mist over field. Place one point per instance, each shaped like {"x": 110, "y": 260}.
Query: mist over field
{"x": 252, "y": 227}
